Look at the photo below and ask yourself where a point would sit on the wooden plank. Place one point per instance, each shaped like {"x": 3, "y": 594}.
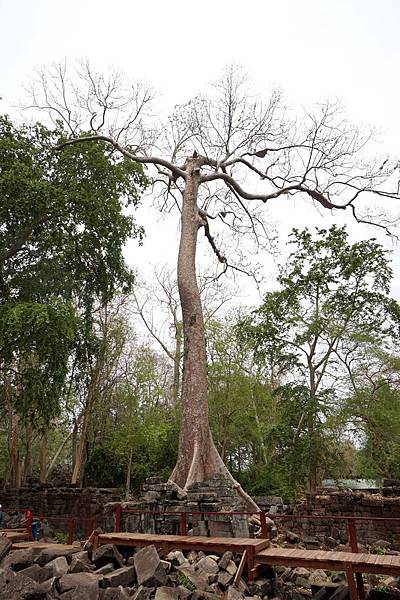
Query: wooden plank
{"x": 384, "y": 560}
{"x": 260, "y": 552}
{"x": 351, "y": 582}
{"x": 240, "y": 569}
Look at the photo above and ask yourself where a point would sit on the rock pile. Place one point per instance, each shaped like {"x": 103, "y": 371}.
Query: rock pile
{"x": 64, "y": 573}
{"x": 108, "y": 573}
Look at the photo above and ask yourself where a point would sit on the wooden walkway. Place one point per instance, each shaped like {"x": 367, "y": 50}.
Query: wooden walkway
{"x": 248, "y": 547}
{"x": 353, "y": 564}
{"x": 258, "y": 554}
{"x": 15, "y": 535}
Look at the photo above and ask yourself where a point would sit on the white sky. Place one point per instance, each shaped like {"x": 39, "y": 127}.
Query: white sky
{"x": 310, "y": 49}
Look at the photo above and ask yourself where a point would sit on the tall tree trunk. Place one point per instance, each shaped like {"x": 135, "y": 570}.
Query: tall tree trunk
{"x": 198, "y": 458}
{"x": 74, "y": 443}
{"x": 58, "y": 453}
{"x": 28, "y": 453}
{"x": 259, "y": 428}
{"x": 177, "y": 363}
{"x": 128, "y": 476}
{"x": 43, "y": 458}
{"x": 16, "y": 470}
{"x": 80, "y": 454}
{"x": 313, "y": 454}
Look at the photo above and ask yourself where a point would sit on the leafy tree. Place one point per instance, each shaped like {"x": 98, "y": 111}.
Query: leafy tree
{"x": 200, "y": 157}
{"x": 372, "y": 412}
{"x": 61, "y": 236}
{"x": 56, "y": 211}
{"x": 333, "y": 299}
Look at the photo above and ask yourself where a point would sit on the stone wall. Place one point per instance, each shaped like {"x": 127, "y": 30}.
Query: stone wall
{"x": 49, "y": 501}
{"x": 159, "y": 500}
{"x": 351, "y": 504}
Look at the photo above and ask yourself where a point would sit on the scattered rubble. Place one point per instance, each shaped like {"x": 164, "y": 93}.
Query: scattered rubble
{"x": 109, "y": 573}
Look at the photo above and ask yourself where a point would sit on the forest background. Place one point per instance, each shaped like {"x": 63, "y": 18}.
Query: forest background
{"x": 267, "y": 426}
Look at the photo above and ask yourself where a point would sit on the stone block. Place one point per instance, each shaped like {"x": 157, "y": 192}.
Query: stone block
{"x": 5, "y": 547}
{"x": 106, "y": 554}
{"x": 14, "y": 585}
{"x": 176, "y": 558}
{"x": 37, "y": 573}
{"x": 167, "y": 593}
{"x": 231, "y": 567}
{"x": 48, "y": 554}
{"x": 233, "y": 593}
{"x": 224, "y": 579}
{"x": 105, "y": 569}
{"x": 142, "y": 593}
{"x": 196, "y": 579}
{"x": 208, "y": 565}
{"x": 71, "y": 581}
{"x": 58, "y": 566}
{"x": 225, "y": 559}
{"x": 79, "y": 566}
{"x": 149, "y": 569}
{"x": 118, "y": 593}
{"x": 124, "y": 576}
{"x": 19, "y": 559}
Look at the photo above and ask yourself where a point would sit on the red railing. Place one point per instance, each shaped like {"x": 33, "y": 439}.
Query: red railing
{"x": 71, "y": 524}
{"x": 351, "y": 521}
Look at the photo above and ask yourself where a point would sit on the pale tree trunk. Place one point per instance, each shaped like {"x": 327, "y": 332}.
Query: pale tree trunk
{"x": 198, "y": 458}
{"x": 74, "y": 443}
{"x": 81, "y": 446}
{"x": 259, "y": 428}
{"x": 313, "y": 475}
{"x": 28, "y": 453}
{"x": 43, "y": 458}
{"x": 177, "y": 363}
{"x": 80, "y": 453}
{"x": 128, "y": 476}
{"x": 57, "y": 454}
{"x": 16, "y": 470}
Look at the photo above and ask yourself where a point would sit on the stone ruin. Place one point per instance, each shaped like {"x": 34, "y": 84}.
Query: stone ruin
{"x": 350, "y": 504}
{"x": 161, "y": 505}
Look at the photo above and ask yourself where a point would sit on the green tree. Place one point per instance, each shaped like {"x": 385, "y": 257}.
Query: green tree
{"x": 201, "y": 155}
{"x": 333, "y": 298}
{"x": 63, "y": 227}
{"x": 372, "y": 412}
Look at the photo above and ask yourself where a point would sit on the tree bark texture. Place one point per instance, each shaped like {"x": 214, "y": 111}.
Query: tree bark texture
{"x": 43, "y": 458}
{"x": 198, "y": 458}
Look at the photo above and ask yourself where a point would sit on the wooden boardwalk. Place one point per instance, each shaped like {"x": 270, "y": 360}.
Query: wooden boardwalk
{"x": 258, "y": 554}
{"x": 248, "y": 547}
{"x": 353, "y": 564}
{"x": 15, "y": 535}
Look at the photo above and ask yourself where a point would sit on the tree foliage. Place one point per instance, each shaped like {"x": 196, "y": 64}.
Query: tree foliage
{"x": 332, "y": 302}
{"x": 61, "y": 238}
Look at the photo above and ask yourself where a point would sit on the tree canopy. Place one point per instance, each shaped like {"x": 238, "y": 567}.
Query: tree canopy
{"x": 333, "y": 302}
{"x": 62, "y": 232}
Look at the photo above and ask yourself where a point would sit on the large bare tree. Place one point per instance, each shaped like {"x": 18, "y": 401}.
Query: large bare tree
{"x": 218, "y": 160}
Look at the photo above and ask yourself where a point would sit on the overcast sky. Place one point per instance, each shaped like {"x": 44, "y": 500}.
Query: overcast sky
{"x": 310, "y": 49}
